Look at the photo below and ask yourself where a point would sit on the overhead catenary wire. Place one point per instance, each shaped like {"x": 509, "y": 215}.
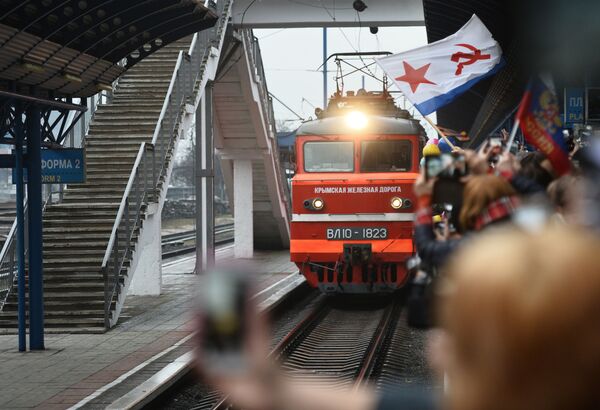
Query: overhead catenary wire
{"x": 244, "y": 13}
{"x": 360, "y": 27}
{"x": 271, "y": 34}
{"x": 286, "y": 106}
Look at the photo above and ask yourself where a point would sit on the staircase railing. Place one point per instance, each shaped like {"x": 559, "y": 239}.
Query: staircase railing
{"x": 127, "y": 224}
{"x": 151, "y": 166}
{"x": 252, "y": 46}
{"x": 8, "y": 264}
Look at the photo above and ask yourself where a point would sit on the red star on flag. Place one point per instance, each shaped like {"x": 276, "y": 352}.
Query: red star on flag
{"x": 415, "y": 77}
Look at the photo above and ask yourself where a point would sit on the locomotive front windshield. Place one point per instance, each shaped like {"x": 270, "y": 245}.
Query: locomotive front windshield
{"x": 385, "y": 156}
{"x": 329, "y": 156}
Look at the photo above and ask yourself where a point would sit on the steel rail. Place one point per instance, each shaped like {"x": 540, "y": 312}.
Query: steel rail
{"x": 294, "y": 339}
{"x": 149, "y": 393}
{"x": 190, "y": 249}
{"x": 295, "y": 336}
{"x": 375, "y": 349}
{"x": 191, "y": 234}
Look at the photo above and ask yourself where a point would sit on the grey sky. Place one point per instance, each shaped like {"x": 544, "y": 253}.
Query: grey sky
{"x": 292, "y": 57}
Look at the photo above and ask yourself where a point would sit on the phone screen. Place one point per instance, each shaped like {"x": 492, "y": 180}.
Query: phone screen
{"x": 433, "y": 166}
{"x": 460, "y": 165}
{"x": 224, "y": 300}
{"x": 496, "y": 142}
{"x": 448, "y": 192}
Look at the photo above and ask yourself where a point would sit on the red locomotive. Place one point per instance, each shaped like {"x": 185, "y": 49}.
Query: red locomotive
{"x": 352, "y": 198}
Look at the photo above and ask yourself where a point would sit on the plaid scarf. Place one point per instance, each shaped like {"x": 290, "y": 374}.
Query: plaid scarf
{"x": 497, "y": 210}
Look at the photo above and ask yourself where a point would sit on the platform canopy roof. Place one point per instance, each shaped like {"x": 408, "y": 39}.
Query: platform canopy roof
{"x": 74, "y": 48}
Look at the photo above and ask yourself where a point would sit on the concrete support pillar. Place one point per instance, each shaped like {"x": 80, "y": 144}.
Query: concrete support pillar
{"x": 204, "y": 182}
{"x": 243, "y": 208}
{"x": 147, "y": 261}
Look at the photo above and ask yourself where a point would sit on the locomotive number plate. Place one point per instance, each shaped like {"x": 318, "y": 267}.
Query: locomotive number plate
{"x": 361, "y": 233}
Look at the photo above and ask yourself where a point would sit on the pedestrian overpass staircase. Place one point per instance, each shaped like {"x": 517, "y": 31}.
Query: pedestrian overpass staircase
{"x": 77, "y": 230}
{"x": 94, "y": 238}
{"x": 245, "y": 130}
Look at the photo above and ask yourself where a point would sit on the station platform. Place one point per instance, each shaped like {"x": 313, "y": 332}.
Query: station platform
{"x": 91, "y": 371}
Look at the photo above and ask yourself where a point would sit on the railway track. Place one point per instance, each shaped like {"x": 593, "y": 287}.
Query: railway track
{"x": 181, "y": 243}
{"x": 345, "y": 347}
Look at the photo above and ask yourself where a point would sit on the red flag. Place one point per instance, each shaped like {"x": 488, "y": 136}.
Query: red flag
{"x": 541, "y": 125}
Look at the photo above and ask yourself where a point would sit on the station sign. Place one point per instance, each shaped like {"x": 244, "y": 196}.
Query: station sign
{"x": 574, "y": 106}
{"x": 60, "y": 166}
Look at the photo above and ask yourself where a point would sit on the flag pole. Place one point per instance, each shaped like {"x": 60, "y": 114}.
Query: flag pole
{"x": 513, "y": 133}
{"x": 437, "y": 129}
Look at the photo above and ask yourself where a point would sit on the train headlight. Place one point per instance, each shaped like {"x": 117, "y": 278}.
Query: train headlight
{"x": 318, "y": 204}
{"x": 356, "y": 120}
{"x": 315, "y": 204}
{"x": 396, "y": 202}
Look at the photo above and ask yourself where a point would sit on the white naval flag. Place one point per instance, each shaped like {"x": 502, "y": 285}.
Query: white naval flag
{"x": 433, "y": 75}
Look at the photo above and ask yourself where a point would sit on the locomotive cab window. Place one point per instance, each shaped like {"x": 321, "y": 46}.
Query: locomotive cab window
{"x": 385, "y": 156}
{"x": 329, "y": 156}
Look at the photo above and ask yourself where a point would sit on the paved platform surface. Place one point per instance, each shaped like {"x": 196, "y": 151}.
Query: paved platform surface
{"x": 79, "y": 371}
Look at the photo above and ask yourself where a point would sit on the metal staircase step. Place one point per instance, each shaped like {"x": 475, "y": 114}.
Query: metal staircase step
{"x": 75, "y": 231}
{"x": 66, "y": 324}
{"x": 122, "y": 128}
{"x": 81, "y": 239}
{"x": 123, "y": 122}
{"x": 90, "y": 197}
{"x": 71, "y": 243}
{"x": 127, "y": 102}
{"x": 91, "y": 224}
{"x": 109, "y": 143}
{"x": 99, "y": 160}
{"x": 53, "y": 253}
{"x": 121, "y": 137}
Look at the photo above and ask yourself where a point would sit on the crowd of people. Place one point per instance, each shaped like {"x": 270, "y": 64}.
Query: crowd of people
{"x": 516, "y": 293}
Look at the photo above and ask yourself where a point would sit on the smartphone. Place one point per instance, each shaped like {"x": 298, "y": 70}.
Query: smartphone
{"x": 496, "y": 142}
{"x": 433, "y": 166}
{"x": 225, "y": 301}
{"x": 448, "y": 217}
{"x": 448, "y": 193}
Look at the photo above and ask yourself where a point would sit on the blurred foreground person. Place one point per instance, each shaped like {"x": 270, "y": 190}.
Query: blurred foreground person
{"x": 521, "y": 315}
{"x": 521, "y": 331}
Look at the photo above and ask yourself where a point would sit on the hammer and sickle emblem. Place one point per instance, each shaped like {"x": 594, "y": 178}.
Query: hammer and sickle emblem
{"x": 469, "y": 58}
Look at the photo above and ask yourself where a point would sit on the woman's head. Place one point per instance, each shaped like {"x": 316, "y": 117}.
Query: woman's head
{"x": 522, "y": 313}
{"x": 536, "y": 167}
{"x": 566, "y": 194}
{"x": 479, "y": 193}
